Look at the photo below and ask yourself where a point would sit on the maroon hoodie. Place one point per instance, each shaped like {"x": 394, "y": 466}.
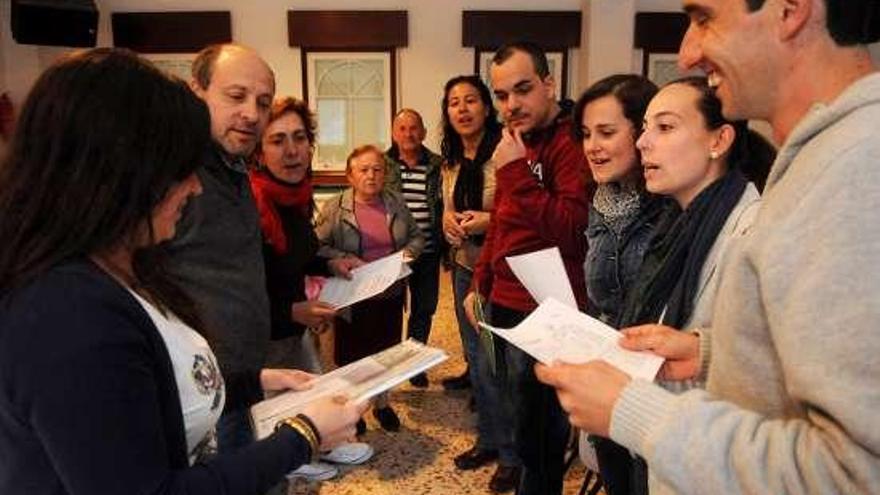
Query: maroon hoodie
{"x": 541, "y": 201}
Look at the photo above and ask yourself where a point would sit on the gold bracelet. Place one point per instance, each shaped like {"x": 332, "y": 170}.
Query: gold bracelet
{"x": 306, "y": 432}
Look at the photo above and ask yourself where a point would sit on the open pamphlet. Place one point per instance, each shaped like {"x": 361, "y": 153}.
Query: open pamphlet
{"x": 366, "y": 281}
{"x": 557, "y": 332}
{"x": 358, "y": 381}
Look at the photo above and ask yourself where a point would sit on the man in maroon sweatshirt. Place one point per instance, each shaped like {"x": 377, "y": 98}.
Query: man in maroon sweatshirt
{"x": 541, "y": 201}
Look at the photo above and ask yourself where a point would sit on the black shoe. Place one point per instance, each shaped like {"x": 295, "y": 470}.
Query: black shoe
{"x": 475, "y": 458}
{"x": 505, "y": 479}
{"x": 460, "y": 382}
{"x": 420, "y": 381}
{"x": 361, "y": 426}
{"x": 387, "y": 418}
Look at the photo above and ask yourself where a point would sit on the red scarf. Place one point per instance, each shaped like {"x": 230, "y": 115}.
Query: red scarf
{"x": 270, "y": 192}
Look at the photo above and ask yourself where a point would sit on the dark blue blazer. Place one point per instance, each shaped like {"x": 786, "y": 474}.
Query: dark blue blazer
{"x": 89, "y": 404}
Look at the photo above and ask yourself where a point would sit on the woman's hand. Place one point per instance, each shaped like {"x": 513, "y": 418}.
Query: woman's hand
{"x": 475, "y": 222}
{"x": 452, "y": 229}
{"x": 342, "y": 267}
{"x": 312, "y": 313}
{"x": 681, "y": 349}
{"x": 335, "y": 419}
{"x": 275, "y": 379}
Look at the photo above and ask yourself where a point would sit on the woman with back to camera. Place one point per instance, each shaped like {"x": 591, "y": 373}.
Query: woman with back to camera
{"x": 107, "y": 386}
{"x": 470, "y": 132}
{"x": 622, "y": 218}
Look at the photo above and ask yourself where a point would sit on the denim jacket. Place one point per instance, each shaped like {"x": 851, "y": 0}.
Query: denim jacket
{"x": 613, "y": 262}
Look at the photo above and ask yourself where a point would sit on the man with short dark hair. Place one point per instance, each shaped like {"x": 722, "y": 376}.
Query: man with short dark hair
{"x": 414, "y": 172}
{"x": 541, "y": 201}
{"x": 792, "y": 356}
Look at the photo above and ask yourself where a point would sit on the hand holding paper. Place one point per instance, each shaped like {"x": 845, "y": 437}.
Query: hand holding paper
{"x": 587, "y": 392}
{"x": 557, "y": 332}
{"x": 359, "y": 381}
{"x": 366, "y": 281}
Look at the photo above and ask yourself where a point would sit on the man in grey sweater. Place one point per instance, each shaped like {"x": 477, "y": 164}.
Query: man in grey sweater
{"x": 793, "y": 357}
{"x": 217, "y": 254}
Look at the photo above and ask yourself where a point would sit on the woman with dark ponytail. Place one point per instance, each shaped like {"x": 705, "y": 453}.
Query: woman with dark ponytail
{"x": 693, "y": 155}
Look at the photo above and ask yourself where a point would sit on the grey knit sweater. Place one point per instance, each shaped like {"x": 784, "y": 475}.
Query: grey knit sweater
{"x": 217, "y": 257}
{"x": 793, "y": 395}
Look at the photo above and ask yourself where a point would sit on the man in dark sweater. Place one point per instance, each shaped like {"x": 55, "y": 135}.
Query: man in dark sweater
{"x": 541, "y": 201}
{"x": 216, "y": 255}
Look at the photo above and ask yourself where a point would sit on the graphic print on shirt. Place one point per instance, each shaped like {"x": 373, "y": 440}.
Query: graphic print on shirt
{"x": 537, "y": 170}
{"x": 207, "y": 378}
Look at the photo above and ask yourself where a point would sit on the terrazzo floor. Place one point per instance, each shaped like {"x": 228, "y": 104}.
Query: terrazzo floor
{"x": 436, "y": 426}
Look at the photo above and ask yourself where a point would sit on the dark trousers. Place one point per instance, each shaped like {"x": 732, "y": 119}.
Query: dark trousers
{"x": 541, "y": 426}
{"x": 621, "y": 473}
{"x": 424, "y": 286}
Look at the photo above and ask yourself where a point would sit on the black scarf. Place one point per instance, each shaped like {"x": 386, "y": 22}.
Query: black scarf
{"x": 468, "y": 191}
{"x": 670, "y": 272}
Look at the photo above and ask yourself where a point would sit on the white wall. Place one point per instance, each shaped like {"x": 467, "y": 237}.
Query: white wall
{"x": 434, "y": 53}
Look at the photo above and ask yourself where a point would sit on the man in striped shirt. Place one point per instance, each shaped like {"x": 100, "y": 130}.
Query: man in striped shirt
{"x": 414, "y": 172}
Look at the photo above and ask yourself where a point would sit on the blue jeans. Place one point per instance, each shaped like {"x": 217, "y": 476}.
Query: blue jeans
{"x": 424, "y": 286}
{"x": 541, "y": 426}
{"x": 494, "y": 414}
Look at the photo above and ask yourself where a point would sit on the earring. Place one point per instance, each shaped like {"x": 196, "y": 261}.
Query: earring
{"x": 713, "y": 155}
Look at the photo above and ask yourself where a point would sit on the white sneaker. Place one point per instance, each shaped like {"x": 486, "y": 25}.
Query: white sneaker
{"x": 349, "y": 453}
{"x": 318, "y": 471}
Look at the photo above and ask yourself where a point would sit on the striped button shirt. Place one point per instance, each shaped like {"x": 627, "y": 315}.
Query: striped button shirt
{"x": 414, "y": 188}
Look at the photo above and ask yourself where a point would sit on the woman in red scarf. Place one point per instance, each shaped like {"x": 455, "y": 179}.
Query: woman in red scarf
{"x": 282, "y": 188}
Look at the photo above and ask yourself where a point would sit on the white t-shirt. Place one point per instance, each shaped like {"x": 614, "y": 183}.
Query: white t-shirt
{"x": 198, "y": 378}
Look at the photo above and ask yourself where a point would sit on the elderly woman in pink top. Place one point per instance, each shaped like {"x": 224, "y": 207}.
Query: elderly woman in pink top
{"x": 368, "y": 222}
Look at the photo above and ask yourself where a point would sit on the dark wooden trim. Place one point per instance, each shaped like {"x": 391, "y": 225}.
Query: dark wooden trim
{"x": 304, "y": 72}
{"x": 329, "y": 178}
{"x": 563, "y": 85}
{"x": 345, "y": 29}
{"x": 170, "y": 32}
{"x": 493, "y": 28}
{"x": 660, "y": 32}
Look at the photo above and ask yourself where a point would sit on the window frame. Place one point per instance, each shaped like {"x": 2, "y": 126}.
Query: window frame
{"x": 336, "y": 174}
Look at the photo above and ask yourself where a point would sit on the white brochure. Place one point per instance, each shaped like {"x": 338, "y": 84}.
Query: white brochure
{"x": 557, "y": 332}
{"x": 543, "y": 274}
{"x": 366, "y": 281}
{"x": 358, "y": 381}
